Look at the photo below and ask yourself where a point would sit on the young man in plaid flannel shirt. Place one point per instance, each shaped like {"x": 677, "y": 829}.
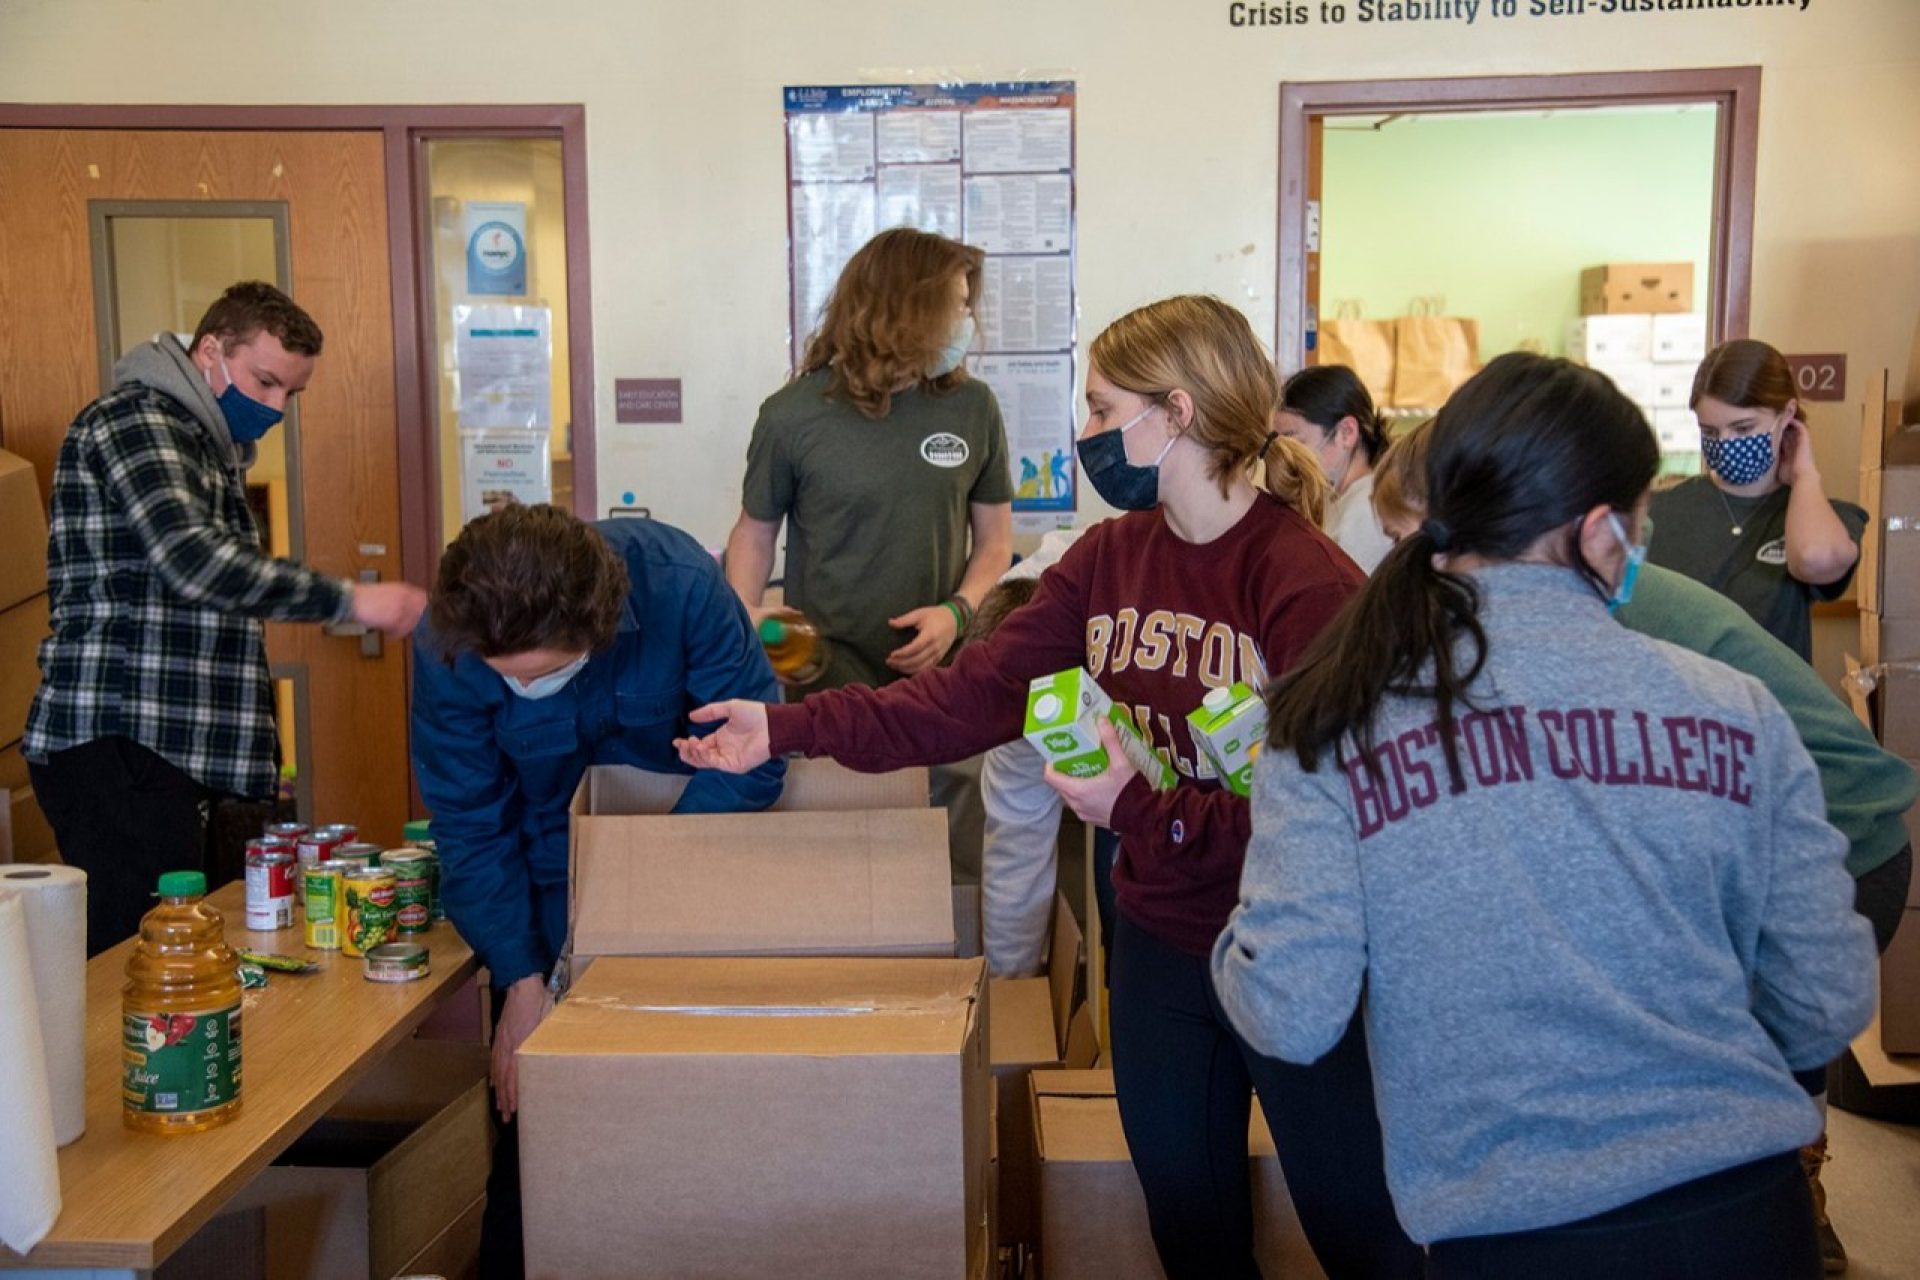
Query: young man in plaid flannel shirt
{"x": 154, "y": 692}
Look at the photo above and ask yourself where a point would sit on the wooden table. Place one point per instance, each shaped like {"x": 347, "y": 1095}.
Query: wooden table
{"x": 130, "y": 1199}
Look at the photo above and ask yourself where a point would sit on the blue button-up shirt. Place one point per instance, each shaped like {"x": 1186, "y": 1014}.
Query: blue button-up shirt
{"x": 498, "y": 770}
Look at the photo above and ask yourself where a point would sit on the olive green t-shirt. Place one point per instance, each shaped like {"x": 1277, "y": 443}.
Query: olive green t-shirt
{"x": 1693, "y": 525}
{"x": 876, "y": 511}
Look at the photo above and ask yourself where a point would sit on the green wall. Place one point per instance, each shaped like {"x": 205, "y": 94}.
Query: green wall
{"x": 1501, "y": 213}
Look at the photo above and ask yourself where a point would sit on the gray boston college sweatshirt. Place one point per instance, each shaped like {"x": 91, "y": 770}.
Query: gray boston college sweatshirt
{"x": 1588, "y": 972}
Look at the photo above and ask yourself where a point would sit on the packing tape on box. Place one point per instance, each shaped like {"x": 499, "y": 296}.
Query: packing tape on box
{"x": 757, "y": 1010}
{"x": 53, "y": 900}
{"x": 29, "y": 1167}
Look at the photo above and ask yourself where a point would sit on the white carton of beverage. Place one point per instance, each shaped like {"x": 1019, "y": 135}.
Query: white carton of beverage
{"x": 1064, "y": 711}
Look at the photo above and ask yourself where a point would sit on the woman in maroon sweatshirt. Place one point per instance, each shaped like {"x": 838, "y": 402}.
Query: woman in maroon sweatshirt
{"x": 1206, "y": 581}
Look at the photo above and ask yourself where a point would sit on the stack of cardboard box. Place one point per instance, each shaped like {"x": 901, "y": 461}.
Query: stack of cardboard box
{"x": 24, "y": 834}
{"x": 1889, "y": 591}
{"x": 1093, "y": 1214}
{"x": 1637, "y": 325}
{"x": 769, "y": 1062}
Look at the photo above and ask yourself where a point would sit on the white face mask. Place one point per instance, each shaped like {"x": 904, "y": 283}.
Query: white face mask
{"x": 547, "y": 685}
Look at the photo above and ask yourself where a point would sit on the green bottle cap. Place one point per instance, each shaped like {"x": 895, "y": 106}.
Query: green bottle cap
{"x": 772, "y": 631}
{"x": 415, "y": 831}
{"x": 183, "y": 884}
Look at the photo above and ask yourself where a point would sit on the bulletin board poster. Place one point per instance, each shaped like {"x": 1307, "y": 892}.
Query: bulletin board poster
{"x": 991, "y": 164}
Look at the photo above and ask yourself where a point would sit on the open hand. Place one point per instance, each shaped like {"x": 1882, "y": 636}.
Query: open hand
{"x": 738, "y": 745}
{"x": 526, "y": 1004}
{"x": 1092, "y": 799}
{"x": 937, "y": 629}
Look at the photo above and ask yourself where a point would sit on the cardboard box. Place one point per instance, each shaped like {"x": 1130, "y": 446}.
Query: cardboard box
{"x": 759, "y": 1118}
{"x": 1895, "y": 528}
{"x": 22, "y": 628}
{"x": 1610, "y": 340}
{"x": 391, "y": 1174}
{"x": 845, "y": 864}
{"x": 1677, "y": 430}
{"x": 23, "y": 532}
{"x": 1681, "y": 340}
{"x": 1030, "y": 1026}
{"x": 1646, "y": 287}
{"x": 1671, "y": 385}
{"x": 1093, "y": 1215}
{"x": 1634, "y": 378}
{"x": 1900, "y": 989}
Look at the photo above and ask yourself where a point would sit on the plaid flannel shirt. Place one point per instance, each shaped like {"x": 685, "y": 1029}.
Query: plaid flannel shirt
{"x": 158, "y": 584}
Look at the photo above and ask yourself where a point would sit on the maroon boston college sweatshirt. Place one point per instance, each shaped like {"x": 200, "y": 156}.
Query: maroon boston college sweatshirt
{"x": 1158, "y": 622}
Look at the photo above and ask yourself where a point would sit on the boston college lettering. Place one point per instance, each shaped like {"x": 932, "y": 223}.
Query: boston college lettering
{"x": 1601, "y": 745}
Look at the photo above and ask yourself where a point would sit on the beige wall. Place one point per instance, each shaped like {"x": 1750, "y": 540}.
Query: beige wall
{"x": 1178, "y": 130}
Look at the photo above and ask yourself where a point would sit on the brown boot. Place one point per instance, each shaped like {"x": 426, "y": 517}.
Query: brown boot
{"x": 1833, "y": 1254}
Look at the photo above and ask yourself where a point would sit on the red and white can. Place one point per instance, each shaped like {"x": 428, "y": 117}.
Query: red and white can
{"x": 286, "y": 832}
{"x": 270, "y": 875}
{"x": 317, "y": 845}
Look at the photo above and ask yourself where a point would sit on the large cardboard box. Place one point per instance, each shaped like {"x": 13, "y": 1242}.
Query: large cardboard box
{"x": 1634, "y": 378}
{"x": 1680, "y": 340}
{"x": 1610, "y": 340}
{"x": 22, "y": 628}
{"x": 845, "y": 864}
{"x": 759, "y": 1117}
{"x": 23, "y": 532}
{"x": 1889, "y": 572}
{"x": 1627, "y": 287}
{"x": 1900, "y": 989}
{"x": 1093, "y": 1215}
{"x": 1677, "y": 430}
{"x": 392, "y": 1179}
{"x": 1034, "y": 1024}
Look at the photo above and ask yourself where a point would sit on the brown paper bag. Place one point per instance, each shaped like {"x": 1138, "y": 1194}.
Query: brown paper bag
{"x": 1365, "y": 346}
{"x": 1433, "y": 355}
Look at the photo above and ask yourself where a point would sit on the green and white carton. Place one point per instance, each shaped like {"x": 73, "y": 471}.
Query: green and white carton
{"x": 1064, "y": 711}
{"x": 1228, "y": 727}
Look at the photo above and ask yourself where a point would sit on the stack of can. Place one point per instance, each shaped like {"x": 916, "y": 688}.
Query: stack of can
{"x": 354, "y": 895}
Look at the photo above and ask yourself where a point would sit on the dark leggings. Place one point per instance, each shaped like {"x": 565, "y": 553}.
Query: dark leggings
{"x": 1185, "y": 1082}
{"x": 1751, "y": 1222}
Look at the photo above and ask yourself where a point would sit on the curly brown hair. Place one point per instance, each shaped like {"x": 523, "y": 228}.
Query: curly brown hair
{"x": 252, "y": 306}
{"x": 888, "y": 318}
{"x": 525, "y": 578}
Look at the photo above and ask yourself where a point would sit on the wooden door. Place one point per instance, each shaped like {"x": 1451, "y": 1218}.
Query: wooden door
{"x": 333, "y": 189}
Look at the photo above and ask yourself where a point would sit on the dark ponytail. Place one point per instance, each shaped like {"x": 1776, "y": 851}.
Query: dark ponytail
{"x": 1525, "y": 447}
{"x": 1325, "y": 393}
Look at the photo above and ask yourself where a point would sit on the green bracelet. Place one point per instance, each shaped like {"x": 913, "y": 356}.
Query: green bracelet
{"x": 959, "y": 619}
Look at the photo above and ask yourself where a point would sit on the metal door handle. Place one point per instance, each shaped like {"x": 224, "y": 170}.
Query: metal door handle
{"x": 371, "y": 642}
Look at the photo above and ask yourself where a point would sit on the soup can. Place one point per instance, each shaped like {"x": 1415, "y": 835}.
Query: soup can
{"x": 269, "y": 888}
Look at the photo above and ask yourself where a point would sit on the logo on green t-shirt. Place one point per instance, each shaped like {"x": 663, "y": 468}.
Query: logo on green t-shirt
{"x": 944, "y": 449}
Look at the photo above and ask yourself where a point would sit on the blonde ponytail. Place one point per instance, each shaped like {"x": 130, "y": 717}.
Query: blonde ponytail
{"x": 1289, "y": 471}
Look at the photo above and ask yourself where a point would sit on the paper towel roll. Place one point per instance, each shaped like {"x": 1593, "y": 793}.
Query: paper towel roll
{"x": 29, "y": 1169}
{"x": 54, "y": 901}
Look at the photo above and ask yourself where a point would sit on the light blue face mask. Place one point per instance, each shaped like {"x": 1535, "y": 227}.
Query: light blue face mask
{"x": 549, "y": 684}
{"x": 956, "y": 349}
{"x": 1636, "y": 555}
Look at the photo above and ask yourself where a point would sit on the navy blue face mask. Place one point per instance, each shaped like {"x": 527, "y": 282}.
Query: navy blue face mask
{"x": 1123, "y": 485}
{"x": 247, "y": 418}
